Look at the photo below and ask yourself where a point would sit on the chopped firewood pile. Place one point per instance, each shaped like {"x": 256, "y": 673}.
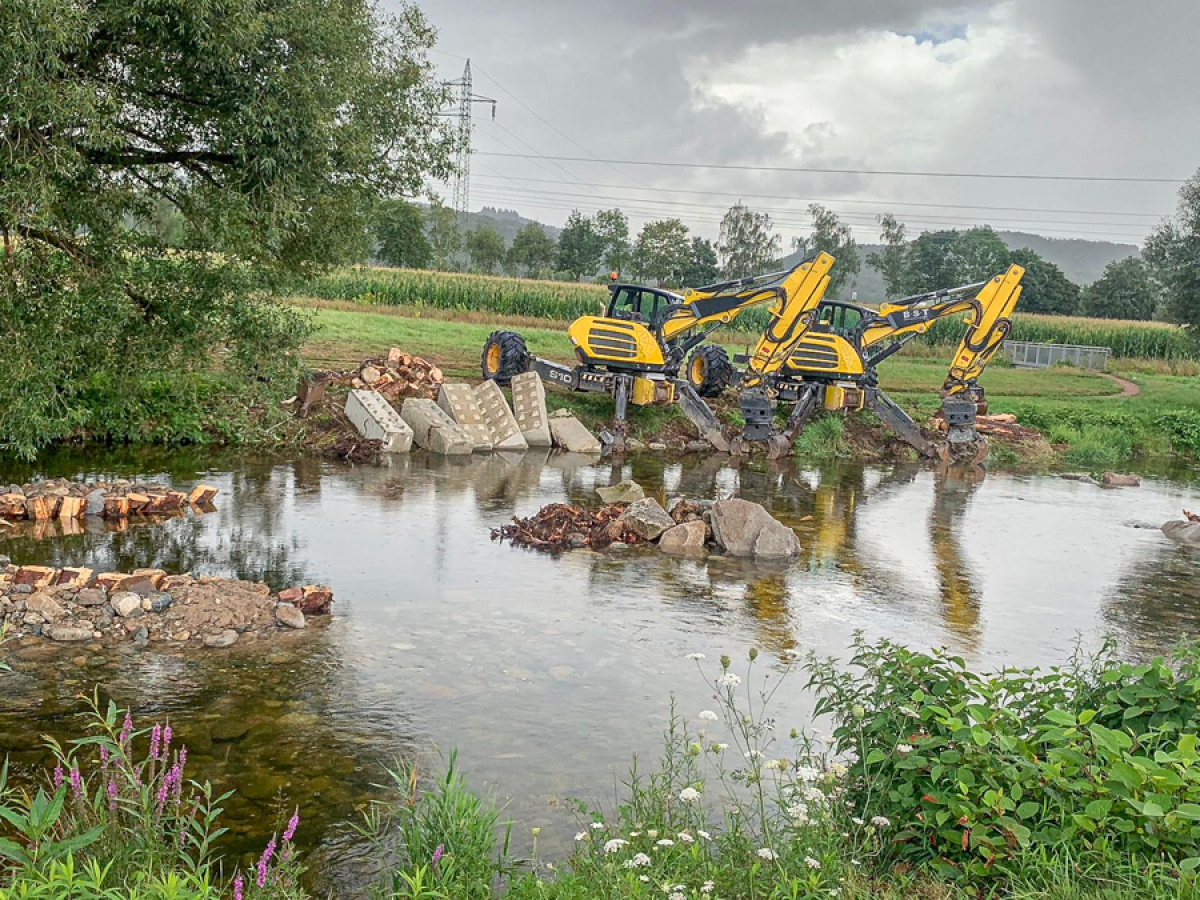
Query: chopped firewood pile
{"x": 562, "y": 526}
{"x": 1002, "y": 424}
{"x": 59, "y": 498}
{"x": 396, "y": 375}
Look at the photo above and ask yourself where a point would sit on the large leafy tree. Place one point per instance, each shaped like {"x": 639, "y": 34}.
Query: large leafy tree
{"x": 1044, "y": 287}
{"x": 833, "y": 236}
{"x": 270, "y": 127}
{"x": 1124, "y": 291}
{"x": 702, "y": 266}
{"x": 532, "y": 250}
{"x": 944, "y": 259}
{"x": 890, "y": 261}
{"x": 613, "y": 228}
{"x": 747, "y": 245}
{"x": 398, "y": 230}
{"x": 662, "y": 251}
{"x": 485, "y": 246}
{"x": 445, "y": 237}
{"x": 580, "y": 246}
{"x": 1173, "y": 255}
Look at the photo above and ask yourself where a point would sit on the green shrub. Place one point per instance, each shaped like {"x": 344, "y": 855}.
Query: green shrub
{"x": 976, "y": 772}
{"x": 1182, "y": 427}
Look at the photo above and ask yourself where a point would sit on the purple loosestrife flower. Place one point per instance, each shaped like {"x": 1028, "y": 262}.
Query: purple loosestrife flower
{"x": 239, "y": 885}
{"x": 112, "y": 796}
{"x": 76, "y": 782}
{"x": 166, "y": 738}
{"x": 292, "y": 825}
{"x": 437, "y": 855}
{"x": 155, "y": 741}
{"x": 103, "y": 755}
{"x": 58, "y": 776}
{"x": 126, "y": 730}
{"x": 182, "y": 758}
{"x": 264, "y": 861}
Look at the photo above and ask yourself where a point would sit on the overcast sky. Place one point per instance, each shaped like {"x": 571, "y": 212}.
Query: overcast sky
{"x": 1026, "y": 87}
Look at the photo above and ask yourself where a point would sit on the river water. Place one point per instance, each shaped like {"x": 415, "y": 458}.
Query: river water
{"x": 548, "y": 673}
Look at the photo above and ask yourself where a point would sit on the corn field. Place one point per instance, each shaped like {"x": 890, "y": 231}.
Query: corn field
{"x": 466, "y": 293}
{"x": 564, "y": 301}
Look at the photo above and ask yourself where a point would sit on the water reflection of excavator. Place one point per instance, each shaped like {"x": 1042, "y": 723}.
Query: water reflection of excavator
{"x": 635, "y": 350}
{"x": 834, "y": 366}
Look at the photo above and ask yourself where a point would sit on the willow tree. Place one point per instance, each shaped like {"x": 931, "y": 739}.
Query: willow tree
{"x": 269, "y": 128}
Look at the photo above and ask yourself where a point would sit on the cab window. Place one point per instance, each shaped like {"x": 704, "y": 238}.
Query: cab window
{"x": 835, "y": 318}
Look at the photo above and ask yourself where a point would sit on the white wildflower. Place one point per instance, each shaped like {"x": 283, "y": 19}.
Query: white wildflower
{"x": 704, "y": 834}
{"x": 719, "y": 747}
{"x": 837, "y": 770}
{"x": 677, "y": 895}
{"x": 707, "y": 887}
{"x": 775, "y": 764}
{"x": 582, "y": 836}
{"x": 689, "y": 795}
{"x": 652, "y": 833}
{"x": 696, "y": 656}
{"x": 664, "y": 842}
{"x": 645, "y": 879}
{"x": 812, "y": 863}
{"x": 638, "y": 859}
{"x": 807, "y": 774}
{"x": 812, "y": 795}
{"x": 752, "y": 754}
{"x": 904, "y": 748}
{"x": 596, "y": 826}
{"x": 798, "y": 813}
{"x": 765, "y": 853}
{"x": 614, "y": 845}
{"x": 881, "y": 821}
{"x": 856, "y": 820}
{"x": 729, "y": 680}
{"x": 909, "y": 711}
{"x": 685, "y": 837}
{"x": 707, "y": 715}
{"x": 635, "y": 834}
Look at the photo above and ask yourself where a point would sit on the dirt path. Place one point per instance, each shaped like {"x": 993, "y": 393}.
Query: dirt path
{"x": 1128, "y": 388}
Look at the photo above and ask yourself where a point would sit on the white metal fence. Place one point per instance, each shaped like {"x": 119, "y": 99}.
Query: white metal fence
{"x": 1040, "y": 356}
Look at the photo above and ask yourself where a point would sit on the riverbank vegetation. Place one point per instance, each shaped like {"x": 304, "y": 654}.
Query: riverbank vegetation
{"x": 935, "y": 781}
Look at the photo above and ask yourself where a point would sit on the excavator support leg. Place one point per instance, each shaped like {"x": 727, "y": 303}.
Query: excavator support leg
{"x": 899, "y": 421}
{"x": 621, "y": 388}
{"x": 700, "y": 415}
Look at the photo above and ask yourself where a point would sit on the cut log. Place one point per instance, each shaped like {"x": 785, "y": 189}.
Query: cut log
{"x": 71, "y": 508}
{"x": 12, "y": 506}
{"x": 73, "y": 578}
{"x": 369, "y": 375}
{"x": 36, "y": 577}
{"x": 116, "y": 507}
{"x": 108, "y": 580}
{"x": 202, "y": 494}
{"x": 40, "y": 507}
{"x": 137, "y": 502}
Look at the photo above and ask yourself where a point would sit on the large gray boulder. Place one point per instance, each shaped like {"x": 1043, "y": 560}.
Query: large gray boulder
{"x": 646, "y": 518}
{"x": 621, "y": 492}
{"x": 1183, "y": 531}
{"x": 743, "y": 528}
{"x": 686, "y": 539}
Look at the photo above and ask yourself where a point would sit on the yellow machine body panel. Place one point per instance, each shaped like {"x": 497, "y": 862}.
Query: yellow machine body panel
{"x": 652, "y": 392}
{"x": 825, "y": 354}
{"x": 844, "y": 397}
{"x": 615, "y": 342}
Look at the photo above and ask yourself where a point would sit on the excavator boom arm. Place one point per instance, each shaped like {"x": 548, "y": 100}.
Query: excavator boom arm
{"x": 803, "y": 290}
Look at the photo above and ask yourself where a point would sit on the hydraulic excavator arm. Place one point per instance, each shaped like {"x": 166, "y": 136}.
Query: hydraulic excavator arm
{"x": 794, "y": 296}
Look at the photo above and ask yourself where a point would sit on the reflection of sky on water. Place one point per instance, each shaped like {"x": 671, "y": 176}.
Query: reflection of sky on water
{"x": 547, "y": 673}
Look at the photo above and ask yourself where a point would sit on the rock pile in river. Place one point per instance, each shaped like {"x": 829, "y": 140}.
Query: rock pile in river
{"x": 77, "y": 605}
{"x": 737, "y": 527}
{"x": 61, "y": 498}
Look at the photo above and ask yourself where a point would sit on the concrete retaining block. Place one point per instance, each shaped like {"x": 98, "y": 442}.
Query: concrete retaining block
{"x": 458, "y": 401}
{"x": 570, "y": 434}
{"x": 506, "y": 434}
{"x": 529, "y": 407}
{"x": 377, "y": 420}
{"x": 434, "y": 430}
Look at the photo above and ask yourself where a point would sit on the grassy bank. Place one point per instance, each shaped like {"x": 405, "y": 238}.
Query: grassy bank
{"x": 562, "y": 302}
{"x": 937, "y": 782}
{"x": 1085, "y": 413}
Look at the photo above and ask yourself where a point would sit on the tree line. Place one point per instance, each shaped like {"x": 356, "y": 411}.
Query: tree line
{"x": 665, "y": 252}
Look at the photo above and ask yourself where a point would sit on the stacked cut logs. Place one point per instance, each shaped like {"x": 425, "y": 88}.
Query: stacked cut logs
{"x": 396, "y": 375}
{"x": 66, "y": 500}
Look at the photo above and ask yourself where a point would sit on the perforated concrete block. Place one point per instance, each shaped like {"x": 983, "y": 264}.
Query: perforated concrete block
{"x": 529, "y": 407}
{"x": 458, "y": 401}
{"x": 502, "y": 424}
{"x": 434, "y": 430}
{"x": 377, "y": 420}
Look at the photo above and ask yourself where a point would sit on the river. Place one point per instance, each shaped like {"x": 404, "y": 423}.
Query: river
{"x": 548, "y": 673}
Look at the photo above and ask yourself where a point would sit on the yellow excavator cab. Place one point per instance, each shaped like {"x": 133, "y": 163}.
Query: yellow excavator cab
{"x": 618, "y": 343}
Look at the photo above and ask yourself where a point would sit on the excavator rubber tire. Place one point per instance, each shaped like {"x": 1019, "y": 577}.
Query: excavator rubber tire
{"x": 504, "y": 355}
{"x": 709, "y": 370}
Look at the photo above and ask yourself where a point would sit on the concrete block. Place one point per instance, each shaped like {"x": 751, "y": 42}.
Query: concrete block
{"x": 377, "y": 420}
{"x": 433, "y": 429}
{"x": 570, "y": 434}
{"x": 506, "y": 434}
{"x": 458, "y": 401}
{"x": 529, "y": 407}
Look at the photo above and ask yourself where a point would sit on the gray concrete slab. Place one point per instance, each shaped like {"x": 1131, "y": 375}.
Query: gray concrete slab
{"x": 529, "y": 407}
{"x": 506, "y": 434}
{"x": 377, "y": 420}
{"x": 433, "y": 430}
{"x": 459, "y": 402}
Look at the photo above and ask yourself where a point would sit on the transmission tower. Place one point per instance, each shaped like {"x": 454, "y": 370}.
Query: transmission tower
{"x": 462, "y": 177}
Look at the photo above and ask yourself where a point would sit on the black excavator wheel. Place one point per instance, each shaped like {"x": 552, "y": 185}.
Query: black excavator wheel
{"x": 709, "y": 370}
{"x": 504, "y": 355}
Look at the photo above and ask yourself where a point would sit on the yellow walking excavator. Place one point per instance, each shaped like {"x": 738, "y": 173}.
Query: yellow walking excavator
{"x": 635, "y": 350}
{"x": 834, "y": 365}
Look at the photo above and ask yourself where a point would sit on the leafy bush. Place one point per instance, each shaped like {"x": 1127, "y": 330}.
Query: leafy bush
{"x": 1183, "y": 428}
{"x": 979, "y": 771}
